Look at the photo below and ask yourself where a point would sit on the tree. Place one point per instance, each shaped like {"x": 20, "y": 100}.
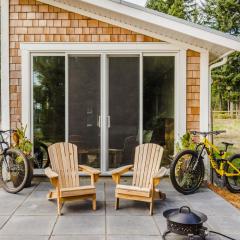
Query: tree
{"x": 224, "y": 15}
{"x": 171, "y": 7}
{"x": 193, "y": 12}
{"x": 185, "y": 9}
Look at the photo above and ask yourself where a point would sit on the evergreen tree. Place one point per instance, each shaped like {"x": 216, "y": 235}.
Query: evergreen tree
{"x": 177, "y": 9}
{"x": 171, "y": 7}
{"x": 192, "y": 10}
{"x": 224, "y": 15}
{"x": 186, "y": 9}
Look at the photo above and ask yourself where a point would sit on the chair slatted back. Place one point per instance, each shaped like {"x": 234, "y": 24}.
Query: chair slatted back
{"x": 64, "y": 161}
{"x": 147, "y": 162}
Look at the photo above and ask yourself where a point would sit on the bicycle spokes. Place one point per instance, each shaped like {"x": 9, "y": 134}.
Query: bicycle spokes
{"x": 187, "y": 171}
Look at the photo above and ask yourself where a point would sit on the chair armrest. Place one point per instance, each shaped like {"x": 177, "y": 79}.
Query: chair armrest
{"x": 161, "y": 173}
{"x": 116, "y": 173}
{"x": 50, "y": 173}
{"x": 88, "y": 169}
{"x": 122, "y": 170}
{"x": 94, "y": 173}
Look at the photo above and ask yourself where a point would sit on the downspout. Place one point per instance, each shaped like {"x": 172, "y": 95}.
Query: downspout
{"x": 211, "y": 67}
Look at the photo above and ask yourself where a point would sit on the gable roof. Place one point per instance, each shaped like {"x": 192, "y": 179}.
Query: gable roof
{"x": 154, "y": 24}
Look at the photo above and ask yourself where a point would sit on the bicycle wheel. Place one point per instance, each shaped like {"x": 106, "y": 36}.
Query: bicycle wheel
{"x": 233, "y": 183}
{"x": 186, "y": 173}
{"x": 14, "y": 168}
{"x": 41, "y": 155}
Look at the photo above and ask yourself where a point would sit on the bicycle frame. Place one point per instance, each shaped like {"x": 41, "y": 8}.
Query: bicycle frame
{"x": 219, "y": 169}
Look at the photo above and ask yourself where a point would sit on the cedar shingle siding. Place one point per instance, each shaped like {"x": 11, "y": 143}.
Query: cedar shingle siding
{"x": 32, "y": 21}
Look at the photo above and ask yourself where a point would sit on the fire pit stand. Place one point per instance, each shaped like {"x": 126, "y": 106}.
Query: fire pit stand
{"x": 184, "y": 221}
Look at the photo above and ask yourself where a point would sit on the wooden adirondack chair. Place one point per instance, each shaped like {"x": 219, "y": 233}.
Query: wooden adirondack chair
{"x": 146, "y": 176}
{"x": 64, "y": 175}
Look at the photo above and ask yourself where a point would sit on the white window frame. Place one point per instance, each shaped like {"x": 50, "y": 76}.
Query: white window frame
{"x": 29, "y": 50}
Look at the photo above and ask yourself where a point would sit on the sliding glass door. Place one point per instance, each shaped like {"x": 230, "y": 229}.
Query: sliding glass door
{"x": 123, "y": 81}
{"x": 158, "y": 102}
{"x": 106, "y": 104}
{"x": 48, "y": 78}
{"x": 84, "y": 107}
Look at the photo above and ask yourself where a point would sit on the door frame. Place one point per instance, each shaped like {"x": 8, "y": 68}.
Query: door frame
{"x": 28, "y": 50}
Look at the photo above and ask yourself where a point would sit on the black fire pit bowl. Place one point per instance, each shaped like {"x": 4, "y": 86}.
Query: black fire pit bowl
{"x": 185, "y": 221}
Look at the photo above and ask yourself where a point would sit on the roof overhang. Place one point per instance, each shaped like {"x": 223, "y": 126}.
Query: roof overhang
{"x": 154, "y": 24}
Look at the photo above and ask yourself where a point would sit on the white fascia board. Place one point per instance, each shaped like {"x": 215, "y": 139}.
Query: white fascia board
{"x": 166, "y": 23}
{"x": 5, "y": 111}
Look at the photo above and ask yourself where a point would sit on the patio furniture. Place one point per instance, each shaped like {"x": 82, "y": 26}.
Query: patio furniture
{"x": 146, "y": 176}
{"x": 64, "y": 175}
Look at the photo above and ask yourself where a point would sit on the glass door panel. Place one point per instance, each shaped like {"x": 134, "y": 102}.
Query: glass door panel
{"x": 123, "y": 109}
{"x": 158, "y": 102}
{"x": 48, "y": 76}
{"x": 84, "y": 107}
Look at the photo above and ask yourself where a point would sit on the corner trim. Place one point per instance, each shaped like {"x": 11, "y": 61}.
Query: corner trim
{"x": 5, "y": 106}
{"x": 205, "y": 92}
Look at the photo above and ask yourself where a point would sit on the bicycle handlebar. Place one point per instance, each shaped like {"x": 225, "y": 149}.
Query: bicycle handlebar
{"x": 5, "y": 131}
{"x": 208, "y": 133}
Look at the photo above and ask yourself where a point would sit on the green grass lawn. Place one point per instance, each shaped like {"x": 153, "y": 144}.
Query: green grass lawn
{"x": 232, "y": 126}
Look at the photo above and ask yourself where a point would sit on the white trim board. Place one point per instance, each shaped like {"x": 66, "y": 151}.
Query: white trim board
{"x": 5, "y": 110}
{"x": 205, "y": 92}
{"x": 102, "y": 47}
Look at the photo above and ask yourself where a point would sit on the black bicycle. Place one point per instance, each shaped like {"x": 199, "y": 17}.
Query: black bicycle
{"x": 14, "y": 166}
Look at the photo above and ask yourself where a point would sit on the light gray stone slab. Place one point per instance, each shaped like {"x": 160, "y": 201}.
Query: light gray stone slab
{"x": 9, "y": 202}
{"x": 132, "y": 208}
{"x": 24, "y": 237}
{"x": 44, "y": 186}
{"x": 132, "y": 237}
{"x": 78, "y": 237}
{"x": 227, "y": 225}
{"x": 110, "y": 194}
{"x": 83, "y": 207}
{"x": 38, "y": 208}
{"x": 3, "y": 220}
{"x": 131, "y": 225}
{"x": 71, "y": 225}
{"x": 29, "y": 225}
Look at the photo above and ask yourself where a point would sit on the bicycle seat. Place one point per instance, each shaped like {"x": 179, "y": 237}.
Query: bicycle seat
{"x": 227, "y": 144}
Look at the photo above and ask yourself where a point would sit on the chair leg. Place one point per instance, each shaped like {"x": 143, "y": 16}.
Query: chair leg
{"x": 151, "y": 208}
{"x": 59, "y": 205}
{"x": 117, "y": 204}
{"x": 94, "y": 203}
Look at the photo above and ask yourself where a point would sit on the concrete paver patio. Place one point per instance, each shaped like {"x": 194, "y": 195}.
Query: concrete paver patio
{"x": 29, "y": 216}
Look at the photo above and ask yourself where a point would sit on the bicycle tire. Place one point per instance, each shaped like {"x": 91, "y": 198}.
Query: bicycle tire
{"x": 227, "y": 179}
{"x": 39, "y": 156}
{"x": 26, "y": 171}
{"x": 173, "y": 173}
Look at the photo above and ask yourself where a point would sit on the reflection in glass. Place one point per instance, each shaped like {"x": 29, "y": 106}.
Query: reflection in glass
{"x": 158, "y": 102}
{"x": 84, "y": 108}
{"x": 48, "y": 103}
{"x": 123, "y": 109}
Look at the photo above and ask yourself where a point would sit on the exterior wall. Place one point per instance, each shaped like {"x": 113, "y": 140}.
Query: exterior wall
{"x": 32, "y": 21}
{"x": 193, "y": 90}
